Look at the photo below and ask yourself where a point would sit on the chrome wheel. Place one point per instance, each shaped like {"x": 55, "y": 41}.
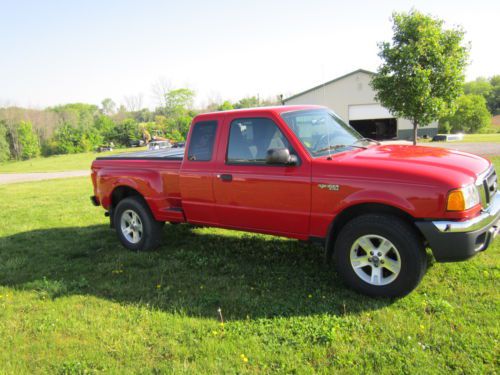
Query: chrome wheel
{"x": 131, "y": 226}
{"x": 375, "y": 260}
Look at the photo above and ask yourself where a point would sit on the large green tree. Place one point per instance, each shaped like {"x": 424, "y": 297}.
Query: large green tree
{"x": 489, "y": 89}
{"x": 494, "y": 97}
{"x": 471, "y": 114}
{"x": 178, "y": 102}
{"x": 422, "y": 71}
{"x": 480, "y": 86}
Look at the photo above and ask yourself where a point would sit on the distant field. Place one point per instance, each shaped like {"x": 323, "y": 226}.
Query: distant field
{"x": 58, "y": 163}
{"x": 495, "y": 137}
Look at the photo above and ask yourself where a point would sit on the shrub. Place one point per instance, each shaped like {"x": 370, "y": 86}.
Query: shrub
{"x": 4, "y": 144}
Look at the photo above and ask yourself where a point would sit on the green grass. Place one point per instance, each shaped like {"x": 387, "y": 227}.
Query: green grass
{"x": 73, "y": 301}
{"x": 468, "y": 138}
{"x": 57, "y": 163}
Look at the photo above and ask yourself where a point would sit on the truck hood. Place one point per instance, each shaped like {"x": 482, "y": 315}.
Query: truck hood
{"x": 413, "y": 163}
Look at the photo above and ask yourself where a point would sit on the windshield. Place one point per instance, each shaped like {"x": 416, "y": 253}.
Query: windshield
{"x": 322, "y": 132}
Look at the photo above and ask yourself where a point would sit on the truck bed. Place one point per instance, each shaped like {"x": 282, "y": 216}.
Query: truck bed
{"x": 155, "y": 173}
{"x": 165, "y": 154}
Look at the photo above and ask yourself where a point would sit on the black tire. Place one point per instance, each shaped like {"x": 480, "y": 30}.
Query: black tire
{"x": 150, "y": 236}
{"x": 407, "y": 252}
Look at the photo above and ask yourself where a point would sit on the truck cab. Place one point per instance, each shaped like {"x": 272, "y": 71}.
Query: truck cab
{"x": 302, "y": 172}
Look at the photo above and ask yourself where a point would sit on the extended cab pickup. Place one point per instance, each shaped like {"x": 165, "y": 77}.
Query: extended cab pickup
{"x": 302, "y": 172}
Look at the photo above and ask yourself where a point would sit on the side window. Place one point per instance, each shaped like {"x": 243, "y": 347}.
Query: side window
{"x": 202, "y": 141}
{"x": 249, "y": 140}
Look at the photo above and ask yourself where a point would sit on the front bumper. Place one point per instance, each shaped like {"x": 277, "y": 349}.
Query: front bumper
{"x": 453, "y": 241}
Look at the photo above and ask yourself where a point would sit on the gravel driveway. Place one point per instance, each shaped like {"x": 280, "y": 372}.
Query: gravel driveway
{"x": 10, "y": 178}
{"x": 479, "y": 148}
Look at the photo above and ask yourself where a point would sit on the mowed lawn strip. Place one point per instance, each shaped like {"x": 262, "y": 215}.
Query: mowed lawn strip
{"x": 58, "y": 163}
{"x": 473, "y": 138}
{"x": 72, "y": 300}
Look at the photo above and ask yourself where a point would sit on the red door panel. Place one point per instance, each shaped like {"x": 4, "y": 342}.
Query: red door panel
{"x": 271, "y": 199}
{"x": 263, "y": 198}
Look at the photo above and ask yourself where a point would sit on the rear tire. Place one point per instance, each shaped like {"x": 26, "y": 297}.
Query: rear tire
{"x": 380, "y": 255}
{"x": 135, "y": 225}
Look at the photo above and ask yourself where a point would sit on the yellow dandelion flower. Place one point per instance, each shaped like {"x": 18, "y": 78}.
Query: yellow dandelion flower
{"x": 158, "y": 286}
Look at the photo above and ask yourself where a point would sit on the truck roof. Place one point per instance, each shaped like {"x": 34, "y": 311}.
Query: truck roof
{"x": 248, "y": 111}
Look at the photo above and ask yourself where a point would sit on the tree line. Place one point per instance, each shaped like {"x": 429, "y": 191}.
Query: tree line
{"x": 474, "y": 108}
{"x": 79, "y": 127}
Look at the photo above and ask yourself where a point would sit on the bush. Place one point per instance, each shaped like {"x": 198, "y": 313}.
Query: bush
{"x": 4, "y": 144}
{"x": 471, "y": 115}
{"x": 23, "y": 141}
{"x": 444, "y": 127}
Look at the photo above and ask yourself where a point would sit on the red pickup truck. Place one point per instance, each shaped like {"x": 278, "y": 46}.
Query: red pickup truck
{"x": 302, "y": 172}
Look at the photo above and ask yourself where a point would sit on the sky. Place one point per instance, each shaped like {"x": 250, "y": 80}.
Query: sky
{"x": 54, "y": 52}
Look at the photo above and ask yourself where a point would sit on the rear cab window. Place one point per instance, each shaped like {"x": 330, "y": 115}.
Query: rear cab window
{"x": 201, "y": 144}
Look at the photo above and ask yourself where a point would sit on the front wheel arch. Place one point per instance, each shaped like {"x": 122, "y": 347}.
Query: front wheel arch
{"x": 363, "y": 209}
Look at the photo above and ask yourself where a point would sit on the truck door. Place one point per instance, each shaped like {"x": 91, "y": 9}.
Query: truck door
{"x": 253, "y": 195}
{"x": 197, "y": 173}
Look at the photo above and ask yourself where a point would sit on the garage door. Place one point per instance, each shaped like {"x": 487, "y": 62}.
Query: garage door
{"x": 368, "y": 112}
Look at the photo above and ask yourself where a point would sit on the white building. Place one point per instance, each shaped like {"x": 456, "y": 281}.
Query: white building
{"x": 353, "y": 99}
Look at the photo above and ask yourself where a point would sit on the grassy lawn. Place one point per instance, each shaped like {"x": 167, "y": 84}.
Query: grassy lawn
{"x": 57, "y": 163}
{"x": 494, "y": 138}
{"x": 468, "y": 138}
{"x": 72, "y": 301}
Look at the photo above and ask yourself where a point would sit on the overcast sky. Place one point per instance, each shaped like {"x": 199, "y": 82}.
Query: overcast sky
{"x": 54, "y": 52}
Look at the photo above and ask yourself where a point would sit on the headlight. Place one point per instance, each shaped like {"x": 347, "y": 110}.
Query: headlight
{"x": 462, "y": 199}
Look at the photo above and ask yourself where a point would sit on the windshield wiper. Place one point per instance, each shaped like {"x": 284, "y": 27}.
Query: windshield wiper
{"x": 368, "y": 140}
{"x": 335, "y": 147}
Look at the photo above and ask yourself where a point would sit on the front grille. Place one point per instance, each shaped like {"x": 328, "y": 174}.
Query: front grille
{"x": 489, "y": 186}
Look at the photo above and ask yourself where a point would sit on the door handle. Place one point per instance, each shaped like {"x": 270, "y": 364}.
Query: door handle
{"x": 225, "y": 177}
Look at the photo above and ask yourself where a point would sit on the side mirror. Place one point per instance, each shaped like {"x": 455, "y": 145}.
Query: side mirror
{"x": 280, "y": 156}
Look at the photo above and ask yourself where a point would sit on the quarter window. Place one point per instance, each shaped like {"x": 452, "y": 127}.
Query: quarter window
{"x": 202, "y": 141}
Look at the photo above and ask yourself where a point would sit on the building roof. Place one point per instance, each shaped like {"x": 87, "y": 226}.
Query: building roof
{"x": 329, "y": 82}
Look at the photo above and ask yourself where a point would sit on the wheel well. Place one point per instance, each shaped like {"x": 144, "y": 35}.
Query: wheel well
{"x": 122, "y": 192}
{"x": 362, "y": 209}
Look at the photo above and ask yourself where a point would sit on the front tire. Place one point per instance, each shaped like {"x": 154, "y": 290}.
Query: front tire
{"x": 380, "y": 255}
{"x": 135, "y": 226}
